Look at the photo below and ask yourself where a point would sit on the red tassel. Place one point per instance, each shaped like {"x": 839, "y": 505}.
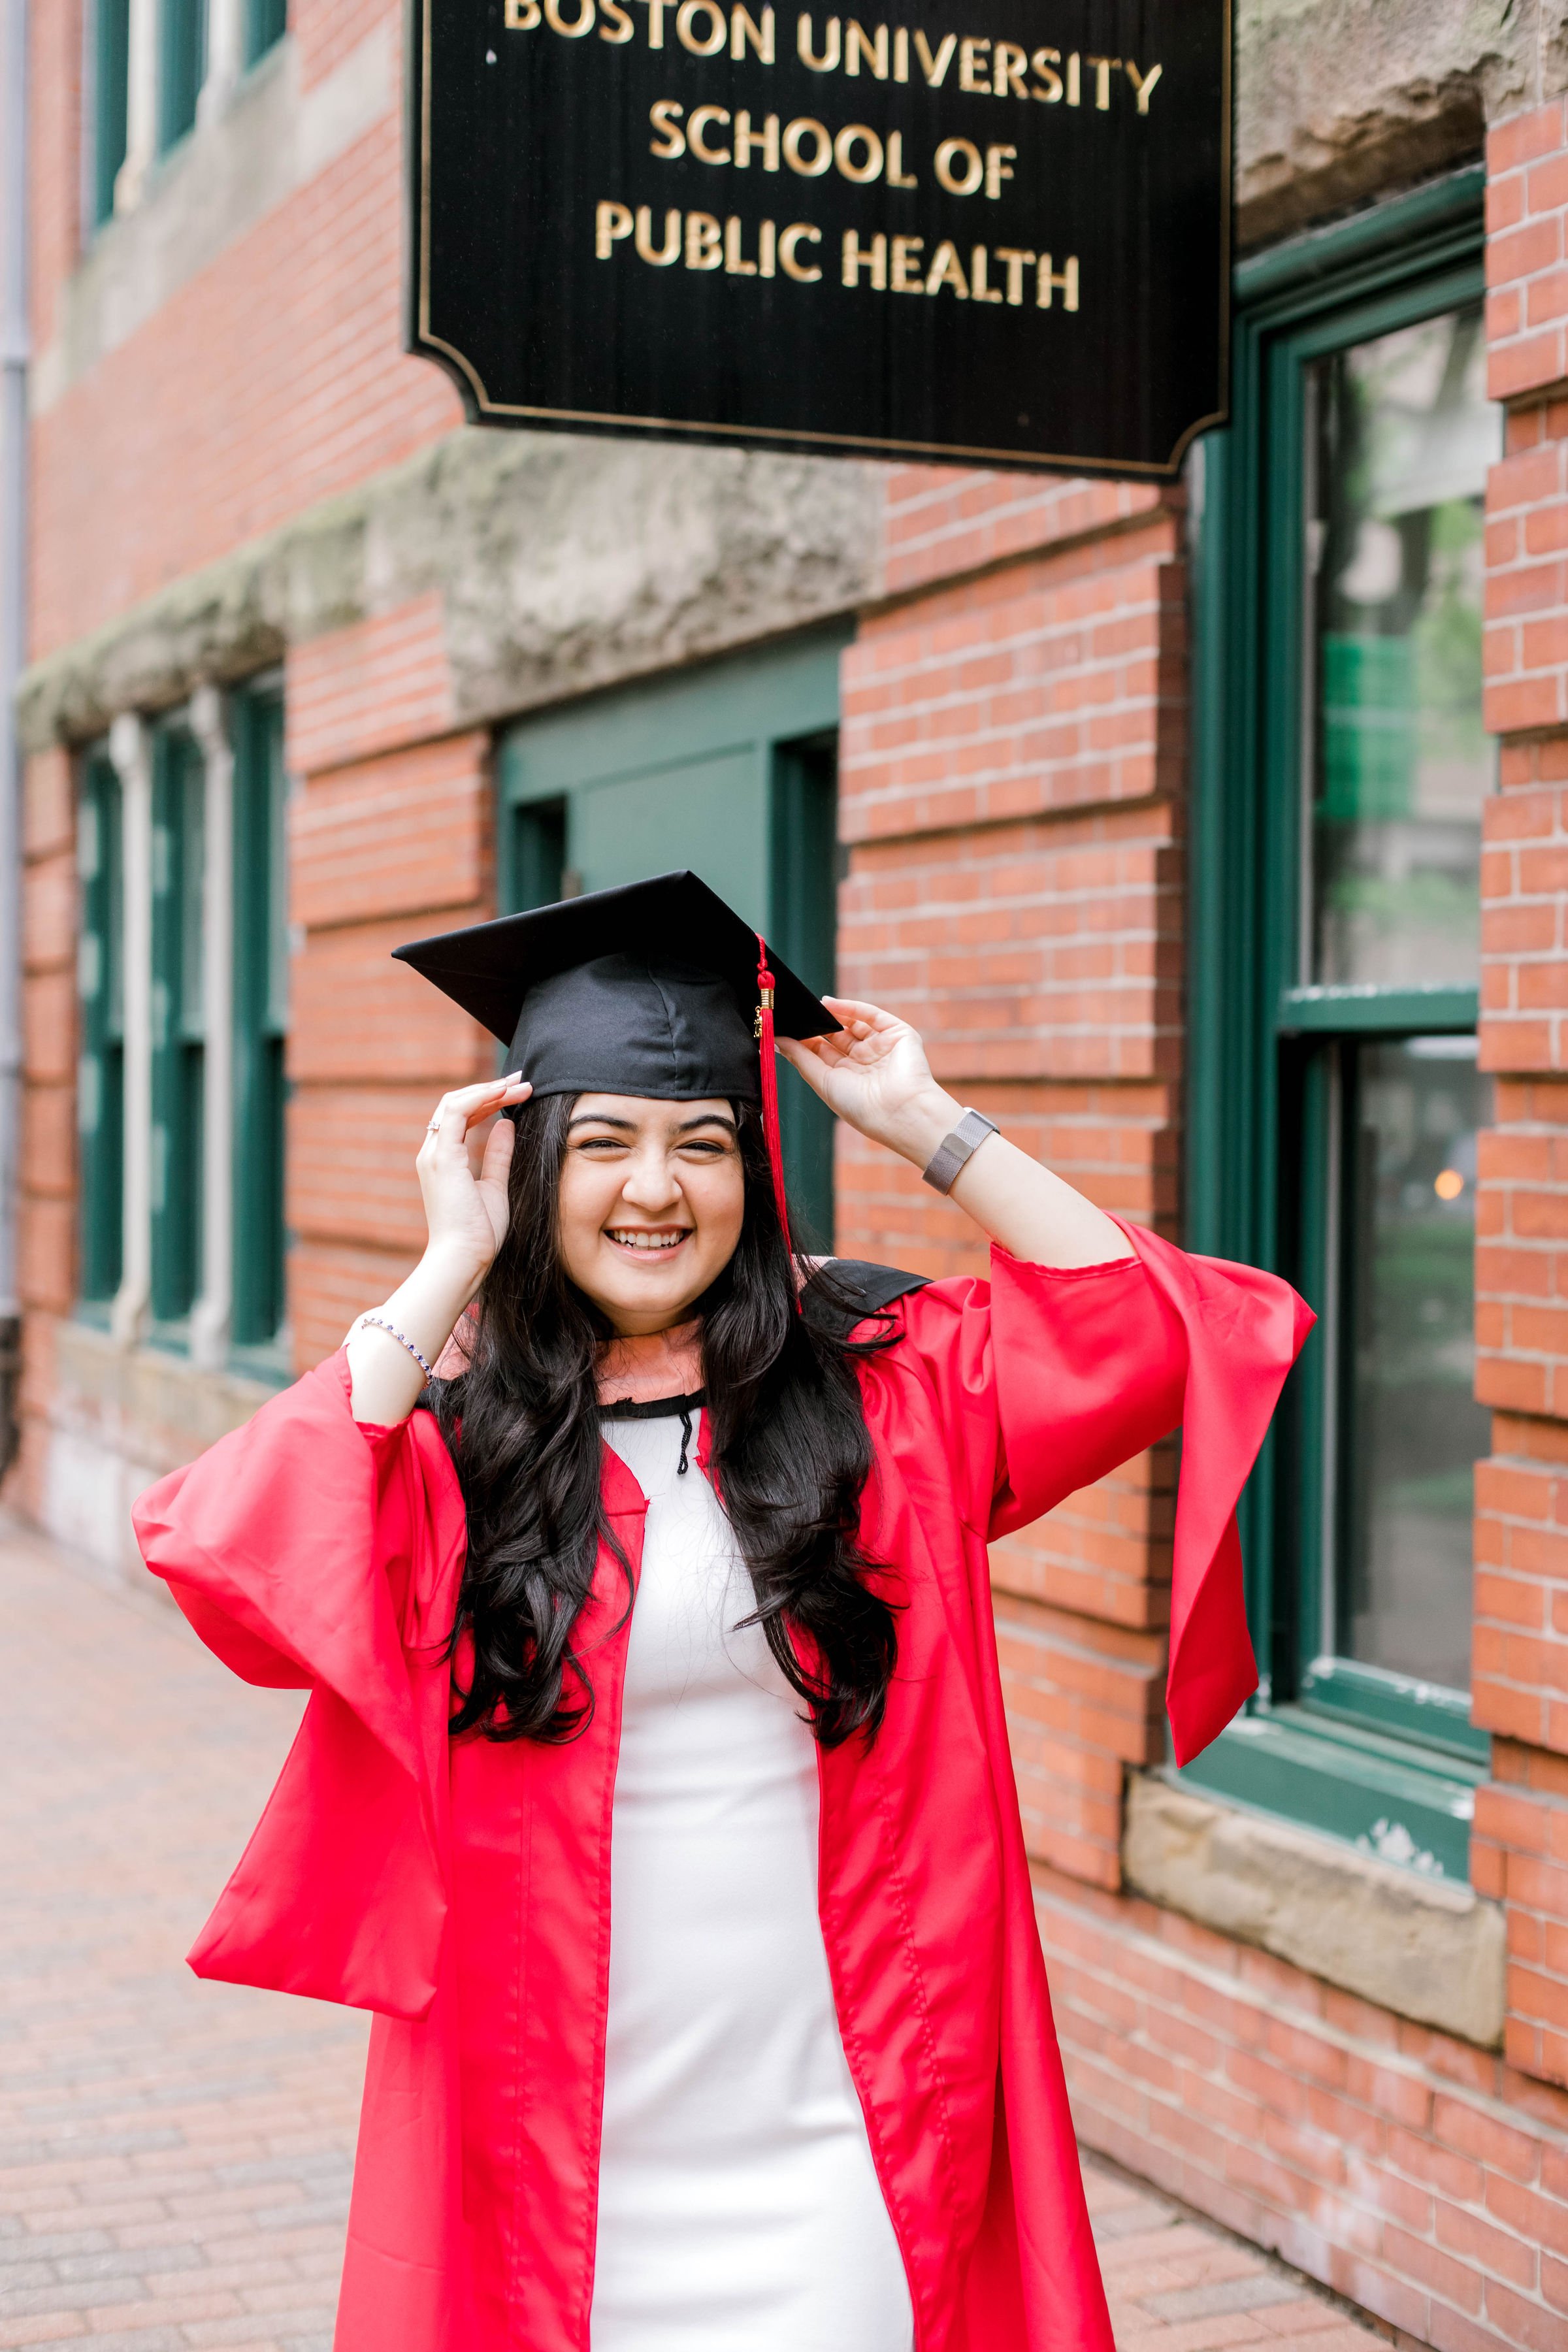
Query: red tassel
{"x": 771, "y": 1091}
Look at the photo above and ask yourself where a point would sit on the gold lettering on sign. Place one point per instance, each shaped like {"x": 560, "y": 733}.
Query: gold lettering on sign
{"x": 767, "y": 139}
{"x": 798, "y": 233}
{"x": 897, "y": 175}
{"x": 557, "y": 23}
{"x": 858, "y": 44}
{"x": 1103, "y": 69}
{"x": 767, "y": 249}
{"x": 902, "y": 54}
{"x": 522, "y": 15}
{"x": 616, "y": 27}
{"x": 1142, "y": 84}
{"x": 872, "y": 257}
{"x": 907, "y": 253}
{"x": 979, "y": 286}
{"x": 828, "y": 61}
{"x": 853, "y": 135}
{"x": 806, "y": 126}
{"x": 672, "y": 247}
{"x": 704, "y": 242}
{"x": 1042, "y": 66}
{"x": 744, "y": 35}
{"x": 997, "y": 170}
{"x": 1009, "y": 64}
{"x": 959, "y": 167}
{"x": 974, "y": 66}
{"x": 1075, "y": 83}
{"x": 697, "y": 128}
{"x": 655, "y": 9}
{"x": 611, "y": 223}
{"x": 946, "y": 270}
{"x": 1047, "y": 280}
{"x": 1017, "y": 261}
{"x": 662, "y": 114}
{"x": 704, "y": 45}
{"x": 935, "y": 69}
{"x": 735, "y": 267}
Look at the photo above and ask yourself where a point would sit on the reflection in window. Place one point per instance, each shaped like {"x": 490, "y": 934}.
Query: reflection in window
{"x": 1400, "y": 436}
{"x": 1408, "y": 1113}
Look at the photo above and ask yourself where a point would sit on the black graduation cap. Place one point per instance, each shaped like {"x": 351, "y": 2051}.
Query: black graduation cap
{"x": 649, "y": 989}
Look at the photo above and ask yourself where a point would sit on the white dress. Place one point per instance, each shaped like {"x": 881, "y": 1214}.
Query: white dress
{"x": 738, "y": 2206}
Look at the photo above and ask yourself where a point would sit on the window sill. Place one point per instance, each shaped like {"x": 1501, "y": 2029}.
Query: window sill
{"x": 1422, "y": 1947}
{"x": 1387, "y": 1797}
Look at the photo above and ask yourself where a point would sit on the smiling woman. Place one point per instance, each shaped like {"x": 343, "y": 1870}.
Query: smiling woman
{"x": 656, "y": 1790}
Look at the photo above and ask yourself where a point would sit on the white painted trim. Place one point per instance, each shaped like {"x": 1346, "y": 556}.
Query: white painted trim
{"x": 210, "y": 1316}
{"x": 130, "y": 749}
{"x": 141, "y": 106}
{"x": 225, "y": 56}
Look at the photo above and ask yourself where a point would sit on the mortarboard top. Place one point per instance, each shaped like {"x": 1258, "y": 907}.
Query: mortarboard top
{"x": 650, "y": 989}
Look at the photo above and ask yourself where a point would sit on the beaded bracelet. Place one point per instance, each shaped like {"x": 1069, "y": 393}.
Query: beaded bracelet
{"x": 383, "y": 1325}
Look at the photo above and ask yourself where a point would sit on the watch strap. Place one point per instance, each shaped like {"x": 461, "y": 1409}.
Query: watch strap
{"x": 957, "y": 1150}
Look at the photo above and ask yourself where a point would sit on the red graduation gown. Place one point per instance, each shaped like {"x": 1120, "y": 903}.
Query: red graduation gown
{"x": 460, "y": 1889}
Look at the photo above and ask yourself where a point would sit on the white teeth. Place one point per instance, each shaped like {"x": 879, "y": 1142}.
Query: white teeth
{"x": 636, "y": 1241}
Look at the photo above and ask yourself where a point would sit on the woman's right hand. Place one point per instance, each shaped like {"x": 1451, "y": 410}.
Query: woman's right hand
{"x": 463, "y": 1174}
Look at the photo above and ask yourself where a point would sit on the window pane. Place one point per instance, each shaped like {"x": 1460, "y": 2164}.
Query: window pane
{"x": 266, "y": 21}
{"x": 1401, "y": 436}
{"x": 1412, "y": 1429}
{"x": 112, "y": 66}
{"x": 182, "y": 64}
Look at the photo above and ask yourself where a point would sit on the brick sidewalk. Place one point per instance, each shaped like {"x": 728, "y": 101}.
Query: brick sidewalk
{"x": 174, "y": 2157}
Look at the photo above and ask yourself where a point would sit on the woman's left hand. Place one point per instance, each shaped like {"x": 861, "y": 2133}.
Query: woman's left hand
{"x": 874, "y": 1074}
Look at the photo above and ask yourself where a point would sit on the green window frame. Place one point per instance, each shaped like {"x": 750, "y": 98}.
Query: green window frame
{"x": 261, "y": 1020}
{"x": 101, "y": 1065}
{"x": 182, "y": 67}
{"x": 111, "y": 30}
{"x": 178, "y": 1026}
{"x": 1387, "y": 1761}
{"x": 266, "y": 22}
{"x": 731, "y": 768}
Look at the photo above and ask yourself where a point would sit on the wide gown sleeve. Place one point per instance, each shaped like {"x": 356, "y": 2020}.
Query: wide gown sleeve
{"x": 1047, "y": 1378}
{"x": 310, "y": 1552}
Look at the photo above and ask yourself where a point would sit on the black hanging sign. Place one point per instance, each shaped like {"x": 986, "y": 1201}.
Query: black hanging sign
{"x": 988, "y": 231}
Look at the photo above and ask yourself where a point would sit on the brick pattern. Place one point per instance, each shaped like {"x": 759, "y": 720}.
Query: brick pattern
{"x": 46, "y": 1190}
{"x": 1525, "y": 644}
{"x": 942, "y": 520}
{"x": 1419, "y": 2177}
{"x": 380, "y": 848}
{"x": 126, "y": 496}
{"x": 401, "y": 835}
{"x": 1050, "y": 684}
{"x": 1521, "y": 1643}
{"x": 1527, "y": 262}
{"x": 364, "y": 690}
{"x": 1011, "y": 759}
{"x": 1520, "y": 1855}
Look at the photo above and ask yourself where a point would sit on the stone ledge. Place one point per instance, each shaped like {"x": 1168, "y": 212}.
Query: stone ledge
{"x": 1425, "y": 1948}
{"x": 563, "y": 563}
{"x": 119, "y": 1419}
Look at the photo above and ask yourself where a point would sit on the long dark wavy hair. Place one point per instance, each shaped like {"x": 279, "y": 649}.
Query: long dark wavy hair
{"x": 789, "y": 1448}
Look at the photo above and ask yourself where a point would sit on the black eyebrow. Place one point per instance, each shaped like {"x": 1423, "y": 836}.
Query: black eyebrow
{"x": 628, "y": 1126}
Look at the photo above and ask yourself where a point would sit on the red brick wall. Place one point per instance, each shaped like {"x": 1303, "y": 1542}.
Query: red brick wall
{"x": 1521, "y": 1534}
{"x": 381, "y": 850}
{"x": 1011, "y": 755}
{"x": 47, "y": 1221}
